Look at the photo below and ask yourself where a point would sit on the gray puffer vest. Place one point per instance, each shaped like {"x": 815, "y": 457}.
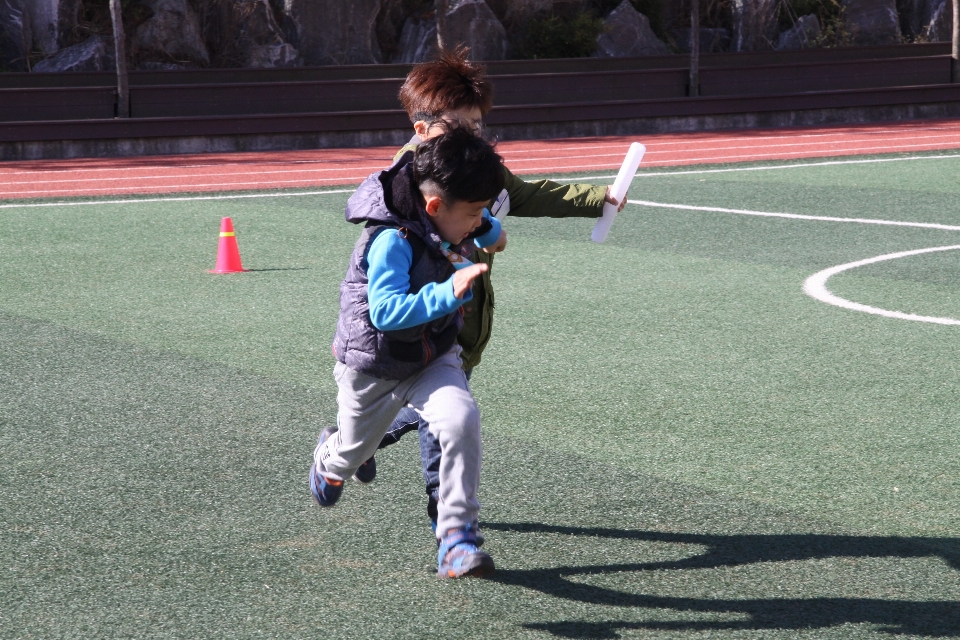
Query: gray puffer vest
{"x": 390, "y": 200}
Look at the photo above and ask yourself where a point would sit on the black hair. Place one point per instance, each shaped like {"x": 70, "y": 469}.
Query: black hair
{"x": 459, "y": 166}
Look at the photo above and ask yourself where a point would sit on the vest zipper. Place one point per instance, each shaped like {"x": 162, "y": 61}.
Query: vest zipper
{"x": 426, "y": 349}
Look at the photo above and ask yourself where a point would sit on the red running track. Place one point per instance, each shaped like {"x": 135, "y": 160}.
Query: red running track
{"x": 338, "y": 167}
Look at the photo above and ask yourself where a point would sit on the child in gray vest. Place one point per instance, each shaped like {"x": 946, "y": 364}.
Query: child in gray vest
{"x": 396, "y": 337}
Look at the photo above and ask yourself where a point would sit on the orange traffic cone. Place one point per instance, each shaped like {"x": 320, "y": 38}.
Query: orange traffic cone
{"x": 228, "y": 255}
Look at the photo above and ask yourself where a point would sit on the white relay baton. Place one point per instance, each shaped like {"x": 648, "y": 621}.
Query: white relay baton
{"x": 619, "y": 191}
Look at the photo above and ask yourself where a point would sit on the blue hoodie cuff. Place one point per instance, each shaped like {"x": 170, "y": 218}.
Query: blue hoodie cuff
{"x": 490, "y": 237}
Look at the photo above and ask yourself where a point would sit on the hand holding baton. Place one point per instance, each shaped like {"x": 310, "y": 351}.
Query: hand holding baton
{"x": 618, "y": 191}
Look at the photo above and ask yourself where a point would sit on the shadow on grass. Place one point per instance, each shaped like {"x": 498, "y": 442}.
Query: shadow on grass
{"x": 924, "y": 618}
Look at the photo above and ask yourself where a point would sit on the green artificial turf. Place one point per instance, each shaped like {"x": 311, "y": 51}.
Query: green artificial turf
{"x": 678, "y": 442}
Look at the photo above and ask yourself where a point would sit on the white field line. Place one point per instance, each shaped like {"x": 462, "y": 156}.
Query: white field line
{"x": 238, "y": 185}
{"x": 798, "y": 165}
{"x": 656, "y": 143}
{"x": 174, "y": 199}
{"x": 40, "y": 192}
{"x": 655, "y": 149}
{"x": 507, "y": 152}
{"x": 192, "y": 166}
{"x": 816, "y": 287}
{"x": 929, "y": 146}
{"x": 226, "y": 174}
{"x": 797, "y": 216}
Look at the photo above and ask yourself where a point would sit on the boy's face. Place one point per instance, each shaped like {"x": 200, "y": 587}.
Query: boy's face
{"x": 468, "y": 117}
{"x": 456, "y": 221}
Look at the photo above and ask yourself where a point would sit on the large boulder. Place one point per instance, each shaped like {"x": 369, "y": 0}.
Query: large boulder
{"x": 754, "y": 24}
{"x": 95, "y": 54}
{"x": 418, "y": 40}
{"x": 627, "y": 33}
{"x": 16, "y": 35}
{"x": 258, "y": 36}
{"x": 255, "y": 22}
{"x": 51, "y": 22}
{"x": 173, "y": 32}
{"x": 801, "y": 35}
{"x": 937, "y": 25}
{"x": 334, "y": 31}
{"x": 872, "y": 21}
{"x": 391, "y": 18}
{"x": 473, "y": 23}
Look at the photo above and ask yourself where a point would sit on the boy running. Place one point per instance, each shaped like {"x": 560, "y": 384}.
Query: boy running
{"x": 395, "y": 342}
{"x": 453, "y": 91}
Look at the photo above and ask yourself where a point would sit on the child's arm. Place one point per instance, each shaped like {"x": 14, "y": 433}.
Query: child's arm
{"x": 545, "y": 198}
{"x": 392, "y": 306}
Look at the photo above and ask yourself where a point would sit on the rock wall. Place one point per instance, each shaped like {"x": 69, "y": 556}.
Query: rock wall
{"x": 937, "y": 25}
{"x": 418, "y": 40}
{"x": 872, "y": 22}
{"x": 469, "y": 22}
{"x": 94, "y": 54}
{"x": 754, "y": 24}
{"x": 473, "y": 23}
{"x": 173, "y": 32}
{"x": 16, "y": 35}
{"x": 334, "y": 31}
{"x": 51, "y": 20}
{"x": 627, "y": 33}
{"x": 802, "y": 35}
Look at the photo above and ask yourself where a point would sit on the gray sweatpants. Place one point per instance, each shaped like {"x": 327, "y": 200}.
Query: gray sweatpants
{"x": 440, "y": 394}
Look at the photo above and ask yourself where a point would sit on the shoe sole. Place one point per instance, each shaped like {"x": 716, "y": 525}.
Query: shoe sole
{"x": 479, "y": 567}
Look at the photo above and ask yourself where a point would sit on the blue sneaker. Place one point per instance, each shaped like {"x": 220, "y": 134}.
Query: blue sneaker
{"x": 432, "y": 514}
{"x": 367, "y": 471}
{"x": 459, "y": 557}
{"x": 325, "y": 491}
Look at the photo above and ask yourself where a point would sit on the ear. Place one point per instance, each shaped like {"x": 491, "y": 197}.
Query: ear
{"x": 432, "y": 204}
{"x": 421, "y": 127}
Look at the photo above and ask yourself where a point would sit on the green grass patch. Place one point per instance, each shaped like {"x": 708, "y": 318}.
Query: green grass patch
{"x": 678, "y": 442}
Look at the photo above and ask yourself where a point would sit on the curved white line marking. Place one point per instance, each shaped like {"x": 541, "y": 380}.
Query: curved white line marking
{"x": 816, "y": 287}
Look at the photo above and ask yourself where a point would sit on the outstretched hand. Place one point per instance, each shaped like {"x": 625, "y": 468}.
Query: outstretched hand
{"x": 608, "y": 197}
{"x": 463, "y": 278}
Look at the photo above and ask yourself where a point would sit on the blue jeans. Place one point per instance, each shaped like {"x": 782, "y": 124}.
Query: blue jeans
{"x": 406, "y": 421}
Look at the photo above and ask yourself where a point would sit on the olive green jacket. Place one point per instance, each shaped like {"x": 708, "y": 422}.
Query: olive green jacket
{"x": 542, "y": 198}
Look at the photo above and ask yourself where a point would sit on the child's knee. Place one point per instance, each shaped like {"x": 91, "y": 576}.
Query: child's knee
{"x": 463, "y": 421}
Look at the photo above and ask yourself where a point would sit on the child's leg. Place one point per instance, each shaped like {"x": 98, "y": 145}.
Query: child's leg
{"x": 407, "y": 420}
{"x": 430, "y": 456}
{"x": 367, "y": 406}
{"x": 442, "y": 396}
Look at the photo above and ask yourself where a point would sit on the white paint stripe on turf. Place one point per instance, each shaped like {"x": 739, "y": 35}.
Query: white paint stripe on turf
{"x": 175, "y": 199}
{"x": 797, "y": 216}
{"x": 798, "y": 165}
{"x": 816, "y": 287}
